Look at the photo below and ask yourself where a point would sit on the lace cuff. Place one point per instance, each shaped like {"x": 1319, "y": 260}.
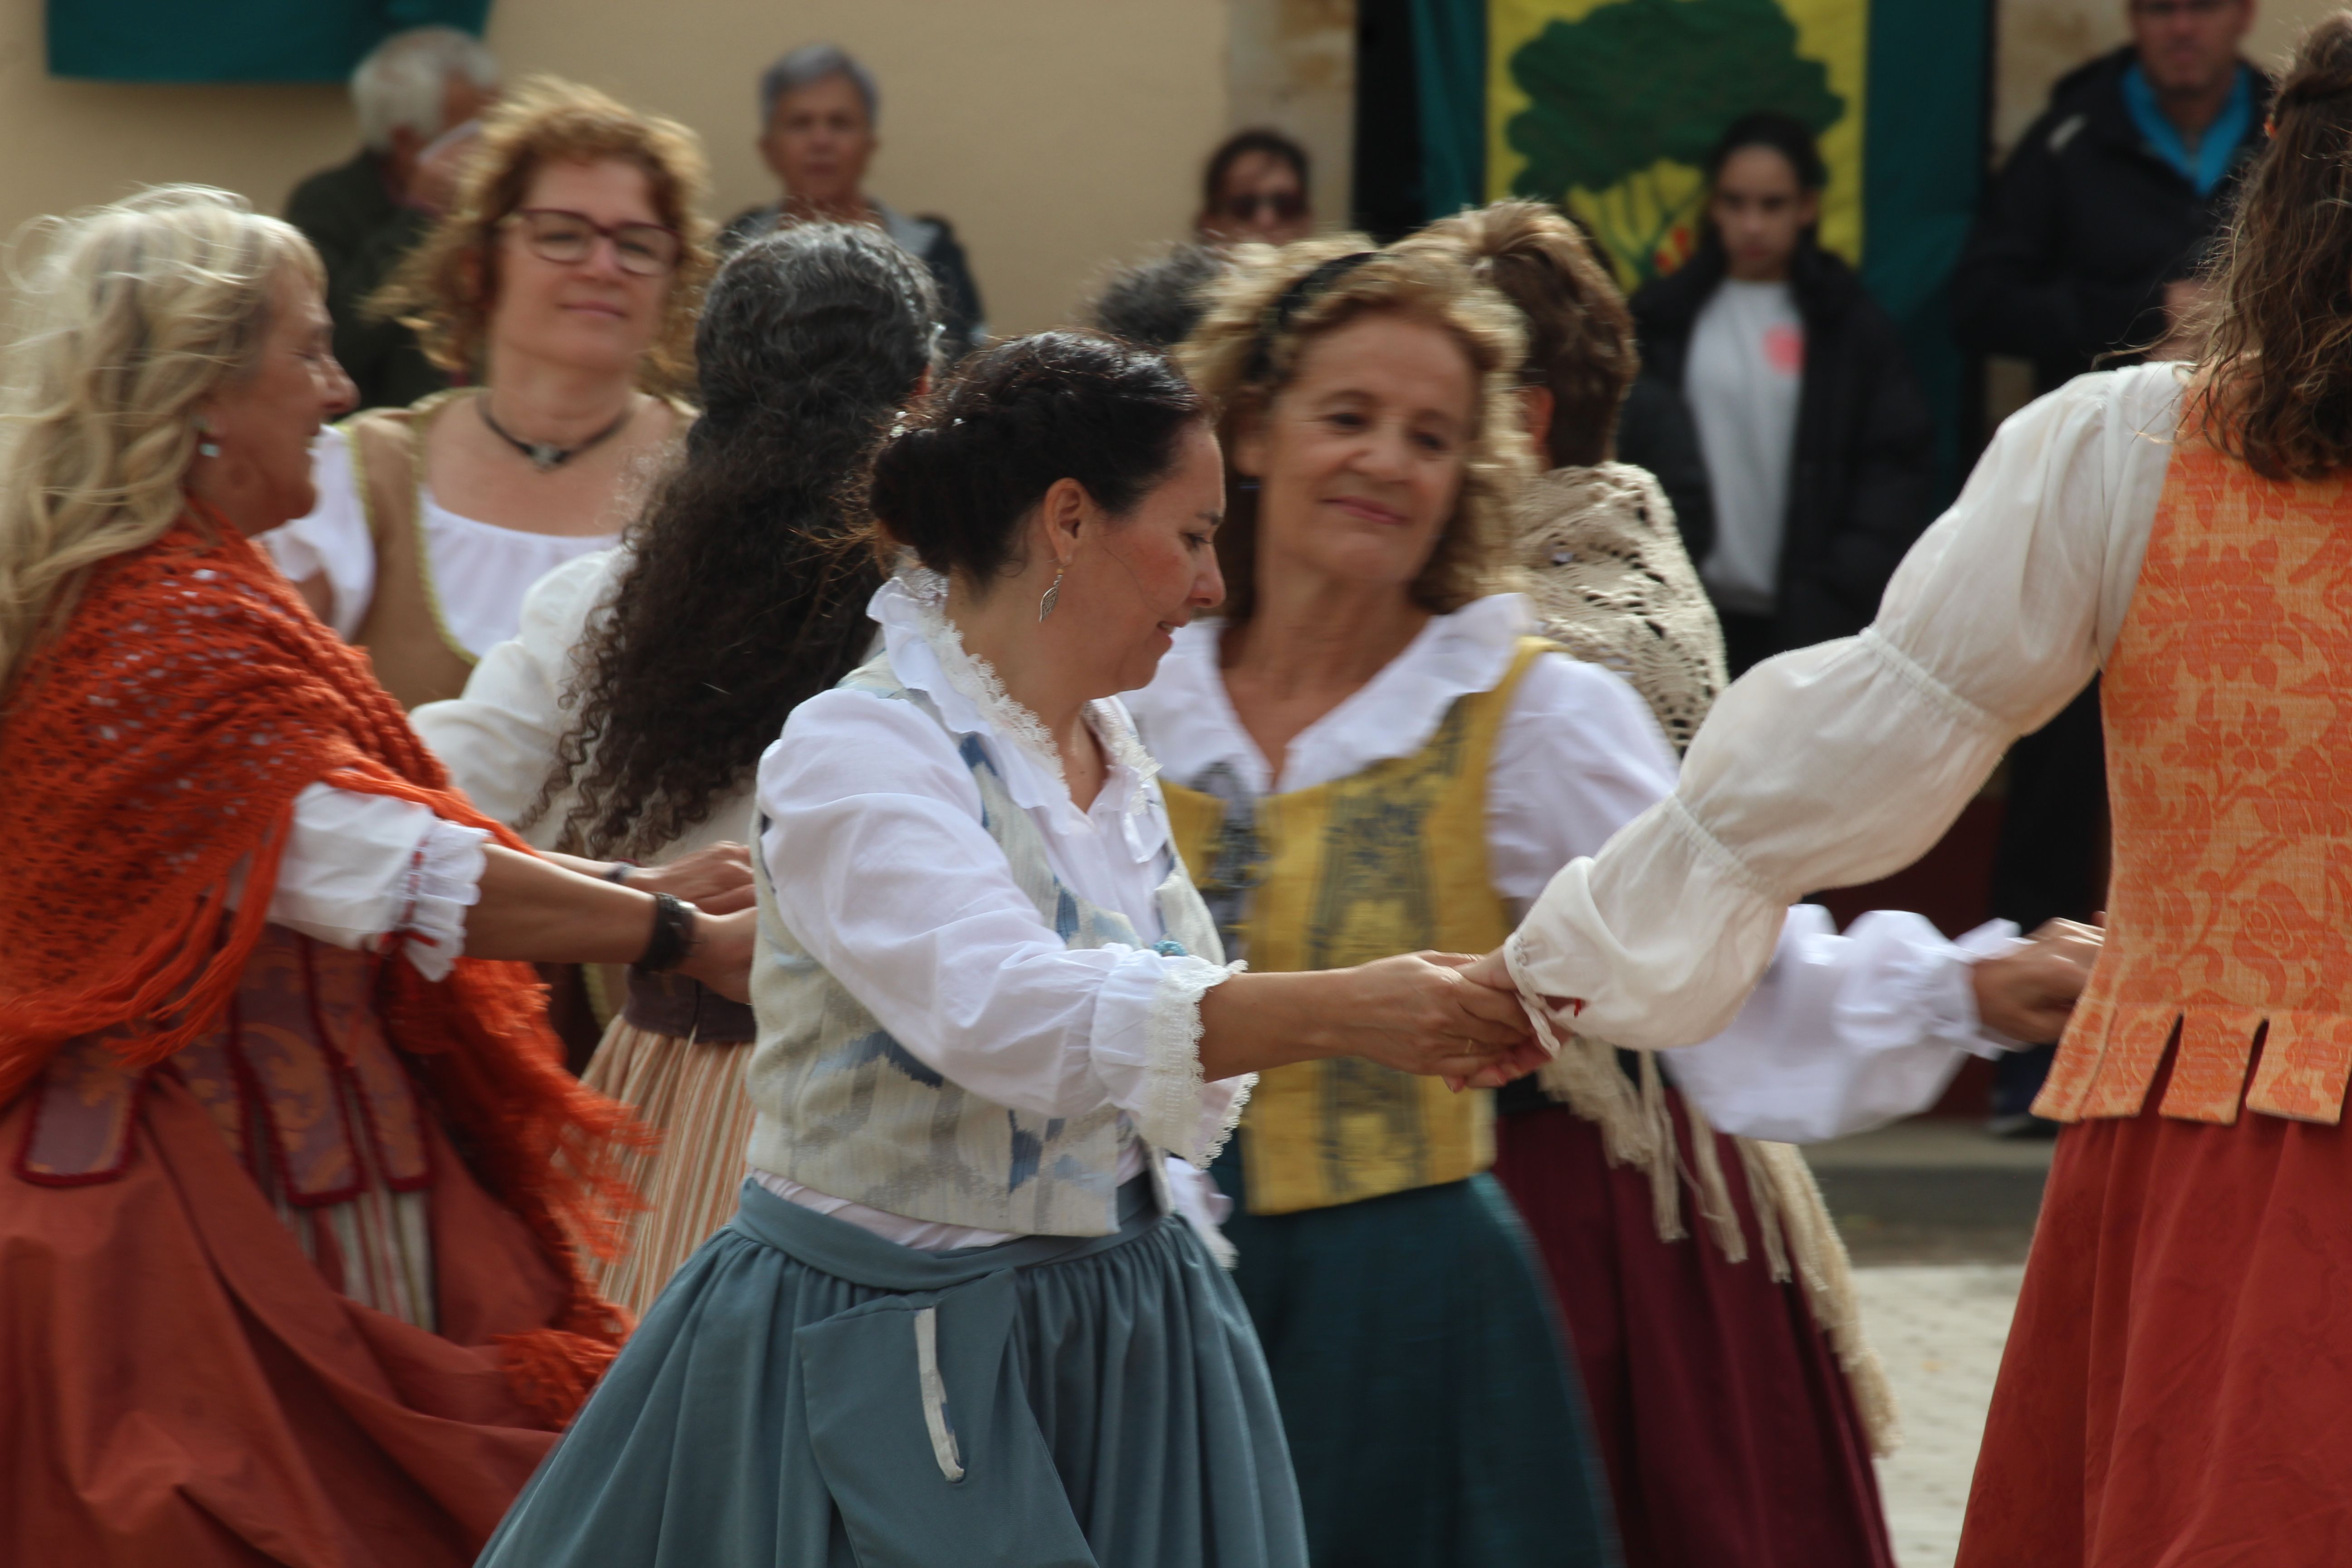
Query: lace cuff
{"x": 1147, "y": 1052}
{"x": 443, "y": 879}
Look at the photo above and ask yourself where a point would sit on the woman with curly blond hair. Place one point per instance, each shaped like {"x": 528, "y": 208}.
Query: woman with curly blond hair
{"x": 290, "y": 1183}
{"x": 562, "y": 285}
{"x": 1368, "y": 752}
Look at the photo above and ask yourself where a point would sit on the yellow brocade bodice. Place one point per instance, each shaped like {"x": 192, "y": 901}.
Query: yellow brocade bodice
{"x": 1390, "y": 859}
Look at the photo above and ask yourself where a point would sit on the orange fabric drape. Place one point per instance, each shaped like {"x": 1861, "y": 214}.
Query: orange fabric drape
{"x": 156, "y": 743}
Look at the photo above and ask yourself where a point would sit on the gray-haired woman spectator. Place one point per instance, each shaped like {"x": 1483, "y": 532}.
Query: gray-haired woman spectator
{"x": 364, "y": 216}
{"x": 818, "y": 110}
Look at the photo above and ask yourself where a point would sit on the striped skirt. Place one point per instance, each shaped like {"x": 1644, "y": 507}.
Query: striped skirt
{"x": 690, "y": 1091}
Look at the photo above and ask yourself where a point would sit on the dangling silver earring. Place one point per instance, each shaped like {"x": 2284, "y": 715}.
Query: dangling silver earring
{"x": 1053, "y": 594}
{"x": 206, "y": 446}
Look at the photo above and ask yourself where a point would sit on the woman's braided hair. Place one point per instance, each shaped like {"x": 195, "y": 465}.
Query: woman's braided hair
{"x": 744, "y": 594}
{"x": 953, "y": 482}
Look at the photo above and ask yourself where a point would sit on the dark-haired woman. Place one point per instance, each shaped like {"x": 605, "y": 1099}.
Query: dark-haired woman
{"x": 625, "y": 719}
{"x": 2173, "y": 1390}
{"x": 1819, "y": 446}
{"x": 956, "y": 1319}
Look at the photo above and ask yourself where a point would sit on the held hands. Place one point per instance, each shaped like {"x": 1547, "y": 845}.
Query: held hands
{"x": 721, "y": 956}
{"x": 1425, "y": 1013}
{"x": 2029, "y": 995}
{"x": 717, "y": 880}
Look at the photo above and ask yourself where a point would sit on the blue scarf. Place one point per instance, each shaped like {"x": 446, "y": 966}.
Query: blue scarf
{"x": 2209, "y": 164}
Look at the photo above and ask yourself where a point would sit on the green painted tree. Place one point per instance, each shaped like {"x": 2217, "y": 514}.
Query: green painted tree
{"x": 1636, "y": 83}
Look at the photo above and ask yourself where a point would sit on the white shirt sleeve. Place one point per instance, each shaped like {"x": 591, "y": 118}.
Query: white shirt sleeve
{"x": 1844, "y": 1033}
{"x": 1579, "y": 755}
{"x": 884, "y": 873}
{"x": 1837, "y": 765}
{"x": 362, "y": 870}
{"x": 332, "y": 539}
{"x": 499, "y": 738}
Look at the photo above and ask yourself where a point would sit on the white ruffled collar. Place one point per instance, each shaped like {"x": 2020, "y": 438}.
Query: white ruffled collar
{"x": 1193, "y": 727}
{"x": 927, "y": 654}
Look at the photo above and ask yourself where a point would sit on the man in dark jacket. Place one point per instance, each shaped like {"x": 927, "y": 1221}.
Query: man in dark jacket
{"x": 2090, "y": 238}
{"x": 818, "y": 107}
{"x": 1819, "y": 446}
{"x": 2085, "y": 254}
{"x": 366, "y": 216}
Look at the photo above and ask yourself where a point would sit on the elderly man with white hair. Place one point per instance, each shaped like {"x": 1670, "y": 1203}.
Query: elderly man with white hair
{"x": 365, "y": 215}
{"x": 818, "y": 110}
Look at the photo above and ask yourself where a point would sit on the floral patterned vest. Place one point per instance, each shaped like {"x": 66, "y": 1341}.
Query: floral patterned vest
{"x": 2228, "y": 704}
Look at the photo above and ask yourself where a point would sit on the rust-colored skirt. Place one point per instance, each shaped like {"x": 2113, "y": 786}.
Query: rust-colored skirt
{"x": 2177, "y": 1387}
{"x": 690, "y": 1091}
{"x": 180, "y": 1388}
{"x": 1731, "y": 1437}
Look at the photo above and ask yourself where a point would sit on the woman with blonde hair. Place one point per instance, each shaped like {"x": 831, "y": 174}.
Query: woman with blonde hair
{"x": 562, "y": 285}
{"x": 290, "y": 1180}
{"x": 1370, "y": 753}
{"x": 2172, "y": 1391}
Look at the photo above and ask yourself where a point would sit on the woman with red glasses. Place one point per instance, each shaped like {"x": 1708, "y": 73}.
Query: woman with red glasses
{"x": 560, "y": 288}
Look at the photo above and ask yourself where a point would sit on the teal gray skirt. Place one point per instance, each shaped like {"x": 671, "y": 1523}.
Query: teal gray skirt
{"x": 807, "y": 1393}
{"x": 1425, "y": 1381}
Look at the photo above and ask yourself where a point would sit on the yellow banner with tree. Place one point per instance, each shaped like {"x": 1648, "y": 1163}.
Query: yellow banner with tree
{"x": 1608, "y": 107}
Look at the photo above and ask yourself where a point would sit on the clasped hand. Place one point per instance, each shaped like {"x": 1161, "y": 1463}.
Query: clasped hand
{"x": 1444, "y": 1016}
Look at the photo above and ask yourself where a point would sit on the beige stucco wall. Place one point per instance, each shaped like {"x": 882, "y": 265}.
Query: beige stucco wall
{"x": 1059, "y": 135}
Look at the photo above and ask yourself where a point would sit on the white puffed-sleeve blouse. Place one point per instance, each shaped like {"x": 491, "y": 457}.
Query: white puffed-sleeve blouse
{"x": 1835, "y": 764}
{"x": 1847, "y": 1031}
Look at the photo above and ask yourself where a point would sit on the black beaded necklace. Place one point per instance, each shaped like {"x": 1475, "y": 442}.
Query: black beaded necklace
{"x": 546, "y": 456}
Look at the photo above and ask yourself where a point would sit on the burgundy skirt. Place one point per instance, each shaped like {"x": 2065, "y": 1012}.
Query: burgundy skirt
{"x": 1731, "y": 1437}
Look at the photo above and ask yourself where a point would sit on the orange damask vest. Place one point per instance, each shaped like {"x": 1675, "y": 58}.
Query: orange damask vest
{"x": 2228, "y": 703}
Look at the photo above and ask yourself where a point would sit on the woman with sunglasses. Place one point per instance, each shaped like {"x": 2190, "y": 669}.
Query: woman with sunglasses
{"x": 562, "y": 286}
{"x": 1256, "y": 189}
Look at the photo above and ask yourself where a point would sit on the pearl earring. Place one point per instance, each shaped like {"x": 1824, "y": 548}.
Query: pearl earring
{"x": 206, "y": 446}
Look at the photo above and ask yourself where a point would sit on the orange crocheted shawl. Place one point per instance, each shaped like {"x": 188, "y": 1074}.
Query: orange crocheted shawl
{"x": 157, "y": 743}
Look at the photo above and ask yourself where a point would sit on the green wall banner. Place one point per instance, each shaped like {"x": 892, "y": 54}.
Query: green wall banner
{"x": 235, "y": 40}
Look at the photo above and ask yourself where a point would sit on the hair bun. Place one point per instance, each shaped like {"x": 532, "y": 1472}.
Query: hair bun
{"x": 953, "y": 482}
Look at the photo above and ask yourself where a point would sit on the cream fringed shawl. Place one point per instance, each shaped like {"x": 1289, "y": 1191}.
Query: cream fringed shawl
{"x": 1611, "y": 582}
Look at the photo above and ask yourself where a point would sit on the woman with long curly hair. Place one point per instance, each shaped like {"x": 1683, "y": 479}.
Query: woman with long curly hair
{"x": 561, "y": 284}
{"x": 626, "y": 718}
{"x": 291, "y": 1185}
{"x": 2173, "y": 1389}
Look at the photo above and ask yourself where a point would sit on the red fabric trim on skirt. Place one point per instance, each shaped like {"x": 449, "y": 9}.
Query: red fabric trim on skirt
{"x": 1730, "y": 1434}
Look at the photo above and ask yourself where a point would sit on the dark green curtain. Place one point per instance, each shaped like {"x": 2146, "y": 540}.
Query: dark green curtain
{"x": 235, "y": 40}
{"x": 1449, "y": 38}
{"x": 1923, "y": 166}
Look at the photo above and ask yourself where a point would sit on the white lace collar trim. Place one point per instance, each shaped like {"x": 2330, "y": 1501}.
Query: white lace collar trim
{"x": 1194, "y": 727}
{"x": 926, "y": 652}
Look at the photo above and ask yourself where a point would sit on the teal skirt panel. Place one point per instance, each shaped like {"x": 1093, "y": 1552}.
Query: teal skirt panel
{"x": 805, "y": 1395}
{"x": 1422, "y": 1371}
